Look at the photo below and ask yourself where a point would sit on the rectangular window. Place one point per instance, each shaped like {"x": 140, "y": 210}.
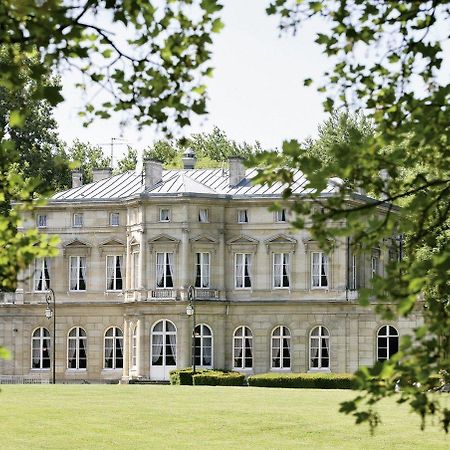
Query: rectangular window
{"x": 203, "y": 216}
{"x": 164, "y": 215}
{"x": 135, "y": 269}
{"x": 374, "y": 266}
{"x": 202, "y": 270}
{"x": 280, "y": 216}
{"x": 280, "y": 270}
{"x": 41, "y": 275}
{"x": 353, "y": 282}
{"x": 114, "y": 219}
{"x": 77, "y": 274}
{"x": 114, "y": 270}
{"x": 42, "y": 221}
{"x": 242, "y": 216}
{"x": 164, "y": 270}
{"x": 77, "y": 220}
{"x": 319, "y": 270}
{"x": 242, "y": 271}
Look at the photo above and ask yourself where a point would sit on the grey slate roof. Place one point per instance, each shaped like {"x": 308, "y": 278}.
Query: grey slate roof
{"x": 208, "y": 182}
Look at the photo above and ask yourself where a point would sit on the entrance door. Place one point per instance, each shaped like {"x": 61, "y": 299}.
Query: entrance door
{"x": 163, "y": 350}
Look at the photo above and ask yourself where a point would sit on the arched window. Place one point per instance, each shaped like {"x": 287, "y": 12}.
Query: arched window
{"x": 76, "y": 349}
{"x": 243, "y": 348}
{"x": 319, "y": 348}
{"x": 134, "y": 348}
{"x": 387, "y": 342}
{"x": 203, "y": 346}
{"x": 164, "y": 344}
{"x": 40, "y": 349}
{"x": 281, "y": 348}
{"x": 113, "y": 348}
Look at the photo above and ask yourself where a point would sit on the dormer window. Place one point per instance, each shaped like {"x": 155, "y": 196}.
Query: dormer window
{"x": 42, "y": 221}
{"x": 164, "y": 215}
{"x": 114, "y": 219}
{"x": 77, "y": 220}
{"x": 280, "y": 215}
{"x": 242, "y": 216}
{"x": 203, "y": 215}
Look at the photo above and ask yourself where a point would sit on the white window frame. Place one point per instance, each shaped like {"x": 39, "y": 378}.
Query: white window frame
{"x": 242, "y": 215}
{"x": 43, "y": 263}
{"x": 285, "y": 264}
{"x": 374, "y": 266}
{"x": 117, "y": 334}
{"x": 320, "y": 336}
{"x": 203, "y": 337}
{"x": 134, "y": 347}
{"x": 324, "y": 261}
{"x": 169, "y": 215}
{"x": 165, "y": 273}
{"x": 280, "y": 216}
{"x": 79, "y": 260}
{"x": 114, "y": 219}
{"x": 40, "y": 339}
{"x": 353, "y": 274}
{"x": 114, "y": 273}
{"x": 241, "y": 339}
{"x": 135, "y": 270}
{"x": 285, "y": 335}
{"x": 205, "y": 269}
{"x": 205, "y": 212}
{"x": 77, "y": 220}
{"x": 77, "y": 338}
{"x": 246, "y": 263}
{"x": 41, "y": 221}
{"x": 388, "y": 336}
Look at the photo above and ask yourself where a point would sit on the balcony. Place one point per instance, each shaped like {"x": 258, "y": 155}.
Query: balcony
{"x": 164, "y": 294}
{"x": 207, "y": 294}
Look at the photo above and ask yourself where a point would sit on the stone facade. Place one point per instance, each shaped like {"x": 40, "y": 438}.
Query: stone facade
{"x": 148, "y": 224}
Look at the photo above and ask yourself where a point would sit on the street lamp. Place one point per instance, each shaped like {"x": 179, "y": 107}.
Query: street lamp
{"x": 190, "y": 311}
{"x": 50, "y": 312}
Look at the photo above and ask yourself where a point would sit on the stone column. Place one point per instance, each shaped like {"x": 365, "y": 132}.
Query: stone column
{"x": 126, "y": 351}
{"x": 185, "y": 342}
{"x": 220, "y": 265}
{"x": 184, "y": 266}
{"x": 128, "y": 262}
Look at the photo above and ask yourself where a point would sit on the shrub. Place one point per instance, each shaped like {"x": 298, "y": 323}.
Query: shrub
{"x": 303, "y": 380}
{"x": 219, "y": 378}
{"x": 183, "y": 376}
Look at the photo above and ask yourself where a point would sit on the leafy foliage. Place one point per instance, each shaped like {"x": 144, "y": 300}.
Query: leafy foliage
{"x": 128, "y": 162}
{"x": 303, "y": 380}
{"x": 388, "y": 61}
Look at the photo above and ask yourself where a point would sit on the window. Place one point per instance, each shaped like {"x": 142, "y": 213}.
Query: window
{"x": 280, "y": 270}
{"x": 374, "y": 265}
{"x": 242, "y": 272}
{"x": 77, "y": 220}
{"x": 280, "y": 215}
{"x": 387, "y": 342}
{"x": 203, "y": 346}
{"x": 281, "y": 348}
{"x": 134, "y": 348}
{"x": 135, "y": 268}
{"x": 164, "y": 344}
{"x": 203, "y": 215}
{"x": 114, "y": 219}
{"x": 242, "y": 216}
{"x": 202, "y": 267}
{"x": 76, "y": 349}
{"x": 353, "y": 279}
{"x": 243, "y": 348}
{"x": 319, "y": 270}
{"x": 114, "y": 266}
{"x": 42, "y": 221}
{"x": 41, "y": 275}
{"x": 40, "y": 349}
{"x": 164, "y": 215}
{"x": 319, "y": 348}
{"x": 113, "y": 348}
{"x": 164, "y": 270}
{"x": 77, "y": 274}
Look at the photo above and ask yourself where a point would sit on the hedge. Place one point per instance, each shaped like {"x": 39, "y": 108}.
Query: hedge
{"x": 303, "y": 380}
{"x": 183, "y": 376}
{"x": 219, "y": 378}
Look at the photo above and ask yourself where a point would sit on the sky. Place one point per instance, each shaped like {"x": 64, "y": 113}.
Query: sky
{"x": 256, "y": 94}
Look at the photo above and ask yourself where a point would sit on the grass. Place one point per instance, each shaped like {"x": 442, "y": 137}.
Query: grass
{"x": 186, "y": 417}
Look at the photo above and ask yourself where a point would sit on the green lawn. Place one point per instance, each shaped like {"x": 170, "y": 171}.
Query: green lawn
{"x": 160, "y": 417}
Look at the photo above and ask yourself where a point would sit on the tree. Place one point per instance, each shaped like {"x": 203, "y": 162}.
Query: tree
{"x": 128, "y": 162}
{"x": 406, "y": 162}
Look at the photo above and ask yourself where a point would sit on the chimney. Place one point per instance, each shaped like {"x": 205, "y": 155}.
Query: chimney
{"x": 101, "y": 174}
{"x": 237, "y": 170}
{"x": 153, "y": 172}
{"x": 77, "y": 178}
{"x": 189, "y": 159}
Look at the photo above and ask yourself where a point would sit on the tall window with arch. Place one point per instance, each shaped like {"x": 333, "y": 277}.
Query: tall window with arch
{"x": 387, "y": 342}
{"x": 281, "y": 348}
{"x": 243, "y": 348}
{"x": 76, "y": 349}
{"x": 319, "y": 348}
{"x": 40, "y": 349}
{"x": 113, "y": 348}
{"x": 203, "y": 346}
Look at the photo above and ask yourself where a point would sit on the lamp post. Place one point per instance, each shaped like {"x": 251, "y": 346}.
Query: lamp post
{"x": 50, "y": 312}
{"x": 190, "y": 311}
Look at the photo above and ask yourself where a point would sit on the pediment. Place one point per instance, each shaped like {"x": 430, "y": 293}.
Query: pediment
{"x": 163, "y": 239}
{"x": 243, "y": 240}
{"x": 76, "y": 247}
{"x": 134, "y": 241}
{"x": 280, "y": 239}
{"x": 204, "y": 239}
{"x": 76, "y": 243}
{"x": 112, "y": 243}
